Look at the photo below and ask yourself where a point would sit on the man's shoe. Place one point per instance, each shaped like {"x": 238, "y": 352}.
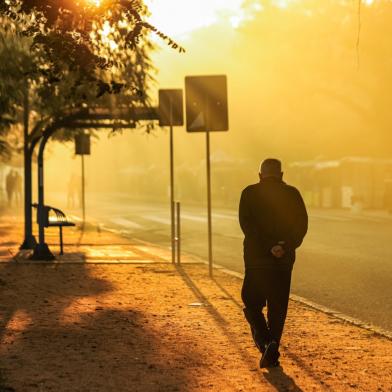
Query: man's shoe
{"x": 270, "y": 356}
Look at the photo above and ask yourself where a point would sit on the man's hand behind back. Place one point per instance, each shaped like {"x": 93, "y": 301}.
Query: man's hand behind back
{"x": 278, "y": 251}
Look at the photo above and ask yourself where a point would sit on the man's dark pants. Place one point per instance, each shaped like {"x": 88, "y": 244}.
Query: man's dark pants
{"x": 271, "y": 288}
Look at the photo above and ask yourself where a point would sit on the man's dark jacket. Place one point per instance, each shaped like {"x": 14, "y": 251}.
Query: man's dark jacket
{"x": 270, "y": 212}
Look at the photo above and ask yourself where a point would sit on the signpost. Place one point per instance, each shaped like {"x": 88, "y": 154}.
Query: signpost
{"x": 206, "y": 111}
{"x": 171, "y": 114}
{"x": 82, "y": 148}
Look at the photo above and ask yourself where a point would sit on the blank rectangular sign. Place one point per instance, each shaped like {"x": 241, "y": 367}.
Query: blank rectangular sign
{"x": 206, "y": 103}
{"x": 82, "y": 144}
{"x": 173, "y": 97}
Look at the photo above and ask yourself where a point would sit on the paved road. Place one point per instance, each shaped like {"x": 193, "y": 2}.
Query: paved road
{"x": 345, "y": 262}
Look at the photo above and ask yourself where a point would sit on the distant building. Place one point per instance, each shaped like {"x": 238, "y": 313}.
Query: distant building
{"x": 351, "y": 182}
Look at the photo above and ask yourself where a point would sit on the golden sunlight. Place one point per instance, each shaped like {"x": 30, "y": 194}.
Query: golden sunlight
{"x": 178, "y": 17}
{"x": 97, "y": 3}
{"x": 104, "y": 35}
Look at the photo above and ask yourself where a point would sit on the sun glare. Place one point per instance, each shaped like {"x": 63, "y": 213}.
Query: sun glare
{"x": 178, "y": 17}
{"x": 106, "y": 35}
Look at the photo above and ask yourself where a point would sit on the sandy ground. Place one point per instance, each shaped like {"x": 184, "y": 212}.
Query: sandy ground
{"x": 158, "y": 327}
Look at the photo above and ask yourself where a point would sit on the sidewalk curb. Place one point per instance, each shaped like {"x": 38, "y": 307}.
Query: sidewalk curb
{"x": 341, "y": 316}
{"x": 321, "y": 308}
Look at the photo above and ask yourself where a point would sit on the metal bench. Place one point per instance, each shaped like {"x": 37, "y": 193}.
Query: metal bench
{"x": 53, "y": 217}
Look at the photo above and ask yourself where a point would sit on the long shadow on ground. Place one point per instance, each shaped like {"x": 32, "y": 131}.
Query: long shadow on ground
{"x": 58, "y": 333}
{"x": 276, "y": 377}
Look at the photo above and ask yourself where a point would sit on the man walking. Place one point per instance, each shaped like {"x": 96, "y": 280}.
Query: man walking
{"x": 274, "y": 220}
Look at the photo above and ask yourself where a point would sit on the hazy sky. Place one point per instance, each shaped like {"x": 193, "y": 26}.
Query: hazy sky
{"x": 299, "y": 86}
{"x": 178, "y": 17}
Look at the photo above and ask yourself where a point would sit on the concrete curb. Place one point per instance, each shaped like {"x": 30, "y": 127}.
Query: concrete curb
{"x": 341, "y": 316}
{"x": 310, "y": 304}
{"x": 321, "y": 308}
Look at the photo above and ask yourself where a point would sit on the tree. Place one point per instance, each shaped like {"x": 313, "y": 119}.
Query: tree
{"x": 45, "y": 76}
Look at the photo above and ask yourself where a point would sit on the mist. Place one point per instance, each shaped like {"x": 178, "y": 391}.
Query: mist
{"x": 305, "y": 85}
{"x": 309, "y": 84}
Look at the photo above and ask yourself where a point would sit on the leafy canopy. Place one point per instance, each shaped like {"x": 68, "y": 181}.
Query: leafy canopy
{"x": 68, "y": 35}
{"x": 71, "y": 55}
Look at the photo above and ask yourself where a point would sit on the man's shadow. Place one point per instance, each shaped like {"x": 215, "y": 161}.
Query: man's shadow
{"x": 275, "y": 376}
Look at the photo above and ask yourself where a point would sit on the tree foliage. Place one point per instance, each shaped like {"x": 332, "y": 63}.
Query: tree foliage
{"x": 70, "y": 60}
{"x": 65, "y": 34}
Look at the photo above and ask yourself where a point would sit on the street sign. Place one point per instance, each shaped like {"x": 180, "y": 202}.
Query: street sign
{"x": 206, "y": 103}
{"x": 171, "y": 107}
{"x": 206, "y": 111}
{"x": 82, "y": 144}
{"x": 171, "y": 114}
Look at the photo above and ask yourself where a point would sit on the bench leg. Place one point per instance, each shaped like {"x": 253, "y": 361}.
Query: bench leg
{"x": 61, "y": 240}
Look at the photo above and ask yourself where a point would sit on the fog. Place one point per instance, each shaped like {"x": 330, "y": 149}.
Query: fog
{"x": 308, "y": 83}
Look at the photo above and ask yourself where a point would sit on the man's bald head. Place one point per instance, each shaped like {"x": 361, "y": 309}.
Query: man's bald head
{"x": 271, "y": 167}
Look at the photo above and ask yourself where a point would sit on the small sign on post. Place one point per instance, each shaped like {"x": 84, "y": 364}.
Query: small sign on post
{"x": 82, "y": 148}
{"x": 82, "y": 144}
{"x": 171, "y": 113}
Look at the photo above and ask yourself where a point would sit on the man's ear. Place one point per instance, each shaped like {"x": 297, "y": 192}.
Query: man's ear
{"x": 260, "y": 176}
{"x": 281, "y": 175}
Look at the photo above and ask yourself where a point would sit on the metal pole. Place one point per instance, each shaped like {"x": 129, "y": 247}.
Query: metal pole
{"x": 29, "y": 240}
{"x": 178, "y": 237}
{"x": 83, "y": 193}
{"x": 61, "y": 240}
{"x": 208, "y": 190}
{"x": 41, "y": 214}
{"x": 172, "y": 212}
{"x": 41, "y": 250}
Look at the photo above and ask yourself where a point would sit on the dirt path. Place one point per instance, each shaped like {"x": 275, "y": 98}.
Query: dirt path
{"x": 155, "y": 327}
